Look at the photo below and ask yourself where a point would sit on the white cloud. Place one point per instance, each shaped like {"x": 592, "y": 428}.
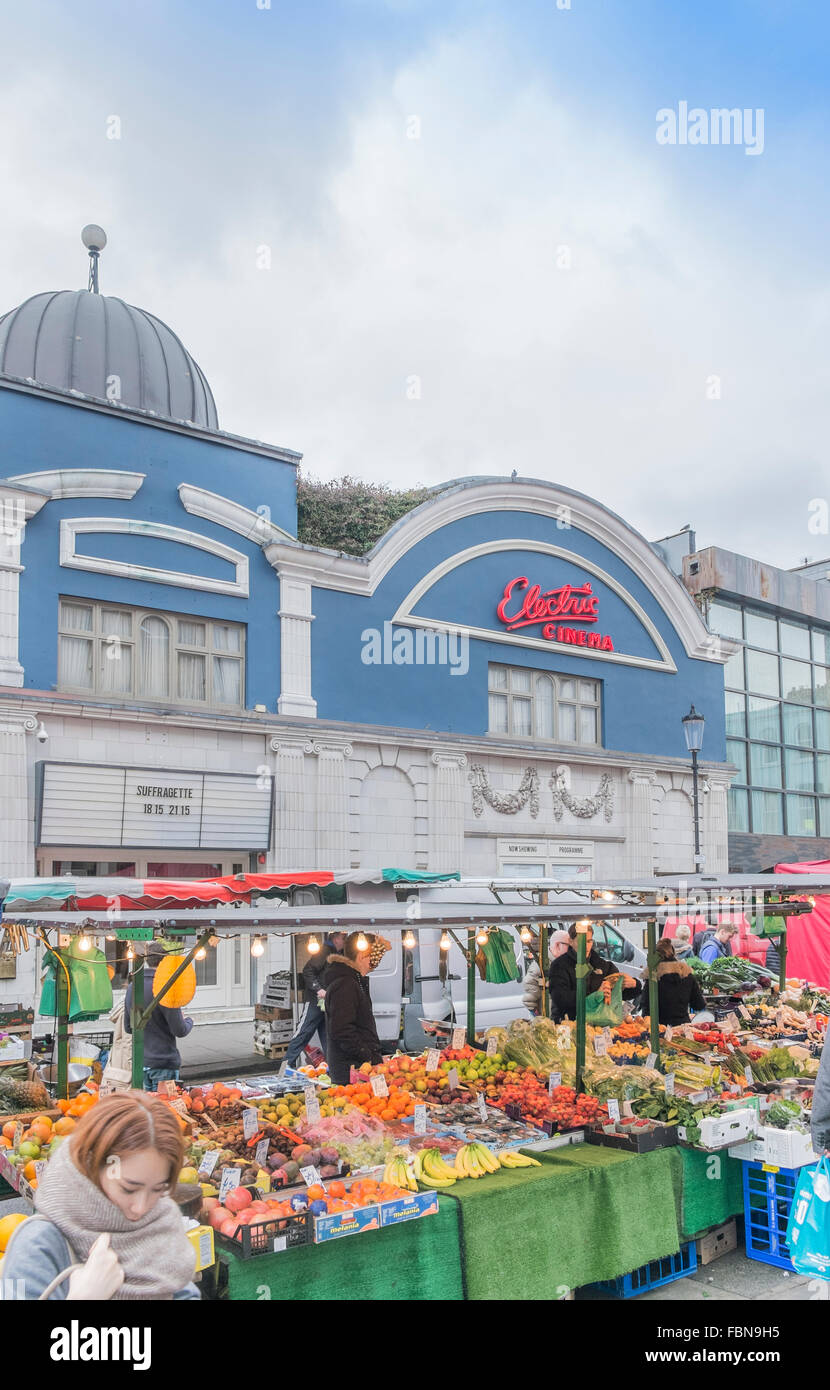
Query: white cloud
{"x": 437, "y": 257}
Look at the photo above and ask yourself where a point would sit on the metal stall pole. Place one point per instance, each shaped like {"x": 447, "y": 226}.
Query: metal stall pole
{"x": 782, "y": 955}
{"x": 136, "y": 1023}
{"x": 62, "y": 1005}
{"x": 653, "y": 995}
{"x": 471, "y": 986}
{"x": 544, "y": 961}
{"x": 582, "y": 970}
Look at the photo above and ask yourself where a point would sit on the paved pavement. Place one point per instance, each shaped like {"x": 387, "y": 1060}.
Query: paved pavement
{"x": 217, "y": 1050}
{"x": 734, "y": 1278}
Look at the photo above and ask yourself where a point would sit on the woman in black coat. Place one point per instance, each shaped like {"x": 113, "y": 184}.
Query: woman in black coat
{"x": 600, "y": 977}
{"x": 677, "y": 988}
{"x": 350, "y": 1024}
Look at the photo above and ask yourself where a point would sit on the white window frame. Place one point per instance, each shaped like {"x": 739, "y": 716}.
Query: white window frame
{"x": 555, "y": 677}
{"x": 99, "y": 637}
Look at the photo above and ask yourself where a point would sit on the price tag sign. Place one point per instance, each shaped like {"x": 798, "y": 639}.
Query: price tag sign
{"x": 105, "y": 1089}
{"x": 263, "y": 1181}
{"x": 554, "y": 1080}
{"x": 453, "y": 1079}
{"x": 40, "y": 1169}
{"x": 764, "y": 1102}
{"x": 669, "y": 1033}
{"x": 606, "y": 1033}
{"x": 379, "y": 1086}
{"x": 600, "y": 1046}
{"x": 433, "y": 1059}
{"x": 482, "y": 1107}
{"x": 18, "y": 1134}
{"x": 209, "y": 1162}
{"x": 250, "y": 1121}
{"x": 459, "y": 1037}
{"x": 613, "y": 1109}
{"x": 167, "y": 1088}
{"x": 261, "y": 1152}
{"x": 492, "y": 1046}
{"x": 743, "y": 1011}
{"x": 669, "y": 1083}
{"x": 651, "y": 1059}
{"x": 563, "y": 1036}
{"x": 231, "y": 1178}
{"x": 420, "y": 1116}
{"x": 312, "y": 1105}
{"x": 748, "y": 1075}
{"x": 310, "y": 1175}
{"x": 180, "y": 1108}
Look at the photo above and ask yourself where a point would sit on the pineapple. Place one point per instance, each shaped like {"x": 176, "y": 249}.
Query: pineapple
{"x": 24, "y": 1095}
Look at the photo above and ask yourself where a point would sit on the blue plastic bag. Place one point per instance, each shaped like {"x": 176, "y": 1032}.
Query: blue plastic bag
{"x": 808, "y": 1230}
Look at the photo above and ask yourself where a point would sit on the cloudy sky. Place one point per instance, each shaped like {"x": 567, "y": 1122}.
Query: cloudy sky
{"x": 421, "y": 239}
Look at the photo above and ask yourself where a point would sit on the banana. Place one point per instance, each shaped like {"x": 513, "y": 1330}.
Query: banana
{"x": 461, "y": 1164}
{"x": 486, "y": 1158}
{"x": 510, "y": 1159}
{"x": 435, "y": 1167}
{"x": 438, "y": 1183}
{"x": 419, "y": 1164}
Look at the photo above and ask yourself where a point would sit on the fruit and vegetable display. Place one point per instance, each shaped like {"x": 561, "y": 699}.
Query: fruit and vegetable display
{"x": 18, "y": 1096}
{"x": 728, "y": 974}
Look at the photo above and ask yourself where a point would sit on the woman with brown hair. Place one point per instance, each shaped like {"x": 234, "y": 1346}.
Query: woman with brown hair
{"x": 105, "y": 1224}
{"x": 677, "y": 988}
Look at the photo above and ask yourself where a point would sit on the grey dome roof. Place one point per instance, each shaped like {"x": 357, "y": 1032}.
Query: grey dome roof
{"x": 74, "y": 340}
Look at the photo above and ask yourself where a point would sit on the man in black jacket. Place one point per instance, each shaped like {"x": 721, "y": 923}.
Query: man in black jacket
{"x": 353, "y": 1036}
{"x": 314, "y": 1020}
{"x": 563, "y": 977}
{"x": 162, "y": 1058}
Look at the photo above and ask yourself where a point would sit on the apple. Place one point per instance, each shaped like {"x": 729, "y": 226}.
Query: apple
{"x": 218, "y": 1216}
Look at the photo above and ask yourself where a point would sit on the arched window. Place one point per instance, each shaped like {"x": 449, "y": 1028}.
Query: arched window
{"x": 154, "y": 658}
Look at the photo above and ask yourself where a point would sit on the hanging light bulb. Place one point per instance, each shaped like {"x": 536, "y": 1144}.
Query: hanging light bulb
{"x": 609, "y": 897}
{"x": 201, "y": 953}
{"x": 85, "y": 943}
{"x": 446, "y": 941}
{"x": 361, "y": 943}
{"x": 257, "y": 946}
{"x": 482, "y": 936}
{"x": 313, "y": 945}
{"x": 409, "y": 939}
{"x": 525, "y": 934}
{"x": 111, "y": 938}
{"x": 130, "y": 952}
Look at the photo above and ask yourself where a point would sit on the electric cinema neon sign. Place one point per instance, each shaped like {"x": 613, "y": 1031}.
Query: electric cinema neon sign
{"x": 525, "y": 605}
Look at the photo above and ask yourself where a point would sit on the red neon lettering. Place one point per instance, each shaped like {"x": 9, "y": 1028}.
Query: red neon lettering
{"x": 530, "y": 605}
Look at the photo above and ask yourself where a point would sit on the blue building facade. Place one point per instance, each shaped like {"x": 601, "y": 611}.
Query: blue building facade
{"x": 500, "y": 682}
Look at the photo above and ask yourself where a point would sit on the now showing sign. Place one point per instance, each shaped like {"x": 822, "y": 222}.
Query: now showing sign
{"x": 137, "y": 808}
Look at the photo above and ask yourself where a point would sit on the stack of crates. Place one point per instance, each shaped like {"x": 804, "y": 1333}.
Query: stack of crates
{"x": 768, "y": 1200}
{"x": 653, "y": 1275}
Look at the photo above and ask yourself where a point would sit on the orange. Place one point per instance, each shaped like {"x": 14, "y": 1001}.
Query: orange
{"x": 315, "y": 1192}
{"x": 9, "y": 1128}
{"x": 64, "y": 1126}
{"x": 29, "y": 1171}
{"x": 42, "y": 1129}
{"x": 4, "y": 1142}
{"x": 7, "y": 1225}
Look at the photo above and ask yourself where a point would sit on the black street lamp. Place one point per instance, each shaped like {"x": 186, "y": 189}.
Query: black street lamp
{"x": 693, "y": 732}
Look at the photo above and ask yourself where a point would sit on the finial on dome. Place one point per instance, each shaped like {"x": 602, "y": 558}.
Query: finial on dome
{"x": 94, "y": 239}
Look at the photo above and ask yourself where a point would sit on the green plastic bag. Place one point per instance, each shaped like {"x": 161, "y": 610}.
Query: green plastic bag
{"x": 90, "y": 992}
{"x": 602, "y": 1015}
{"x": 500, "y": 959}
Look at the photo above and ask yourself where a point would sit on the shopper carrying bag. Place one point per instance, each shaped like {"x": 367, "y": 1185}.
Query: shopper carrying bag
{"x": 808, "y": 1231}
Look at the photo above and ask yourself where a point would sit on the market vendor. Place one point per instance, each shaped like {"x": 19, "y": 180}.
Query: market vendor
{"x": 162, "y": 1059}
{"x": 602, "y": 976}
{"x": 314, "y": 1019}
{"x": 719, "y": 944}
{"x": 352, "y": 1034}
{"x": 677, "y": 988}
{"x": 105, "y": 1223}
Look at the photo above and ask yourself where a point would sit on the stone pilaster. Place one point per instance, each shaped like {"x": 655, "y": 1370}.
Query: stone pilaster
{"x": 16, "y": 506}
{"x": 640, "y": 846}
{"x": 332, "y": 805}
{"x": 447, "y": 790}
{"x": 715, "y": 827}
{"x": 294, "y": 796}
{"x": 296, "y": 618}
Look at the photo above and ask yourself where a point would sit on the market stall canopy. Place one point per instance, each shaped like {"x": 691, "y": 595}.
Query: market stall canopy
{"x": 124, "y": 894}
{"x": 808, "y": 937}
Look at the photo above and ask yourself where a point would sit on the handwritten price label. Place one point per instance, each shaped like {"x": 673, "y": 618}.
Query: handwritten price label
{"x": 492, "y": 1046}
{"x": 651, "y": 1059}
{"x": 231, "y": 1178}
{"x": 433, "y": 1059}
{"x": 310, "y": 1176}
{"x": 554, "y": 1080}
{"x": 613, "y": 1109}
{"x": 748, "y": 1075}
{"x": 379, "y": 1086}
{"x": 453, "y": 1079}
{"x": 250, "y": 1121}
{"x": 600, "y": 1046}
{"x": 167, "y": 1088}
{"x": 459, "y": 1037}
{"x": 669, "y": 1033}
{"x": 743, "y": 1011}
{"x": 482, "y": 1107}
{"x": 669, "y": 1083}
{"x": 261, "y": 1152}
{"x": 312, "y": 1105}
{"x": 209, "y": 1162}
{"x": 563, "y": 1036}
{"x": 420, "y": 1117}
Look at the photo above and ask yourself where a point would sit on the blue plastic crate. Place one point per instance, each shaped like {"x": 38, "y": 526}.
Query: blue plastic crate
{"x": 652, "y": 1275}
{"x": 768, "y": 1199}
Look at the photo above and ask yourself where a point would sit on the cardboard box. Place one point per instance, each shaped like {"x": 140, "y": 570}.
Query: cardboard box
{"x": 268, "y": 1014}
{"x": 408, "y": 1208}
{"x": 721, "y": 1131}
{"x": 270, "y": 1033}
{"x": 346, "y": 1223}
{"x": 780, "y": 1148}
{"x": 201, "y": 1238}
{"x": 719, "y": 1241}
{"x": 16, "y": 1017}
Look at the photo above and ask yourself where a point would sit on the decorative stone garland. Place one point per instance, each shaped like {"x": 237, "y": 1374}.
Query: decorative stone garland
{"x": 507, "y": 803}
{"x": 589, "y": 806}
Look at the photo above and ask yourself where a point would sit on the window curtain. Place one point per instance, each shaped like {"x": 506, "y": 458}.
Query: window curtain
{"x": 154, "y": 657}
{"x": 76, "y": 662}
{"x": 191, "y": 676}
{"x": 226, "y": 681}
